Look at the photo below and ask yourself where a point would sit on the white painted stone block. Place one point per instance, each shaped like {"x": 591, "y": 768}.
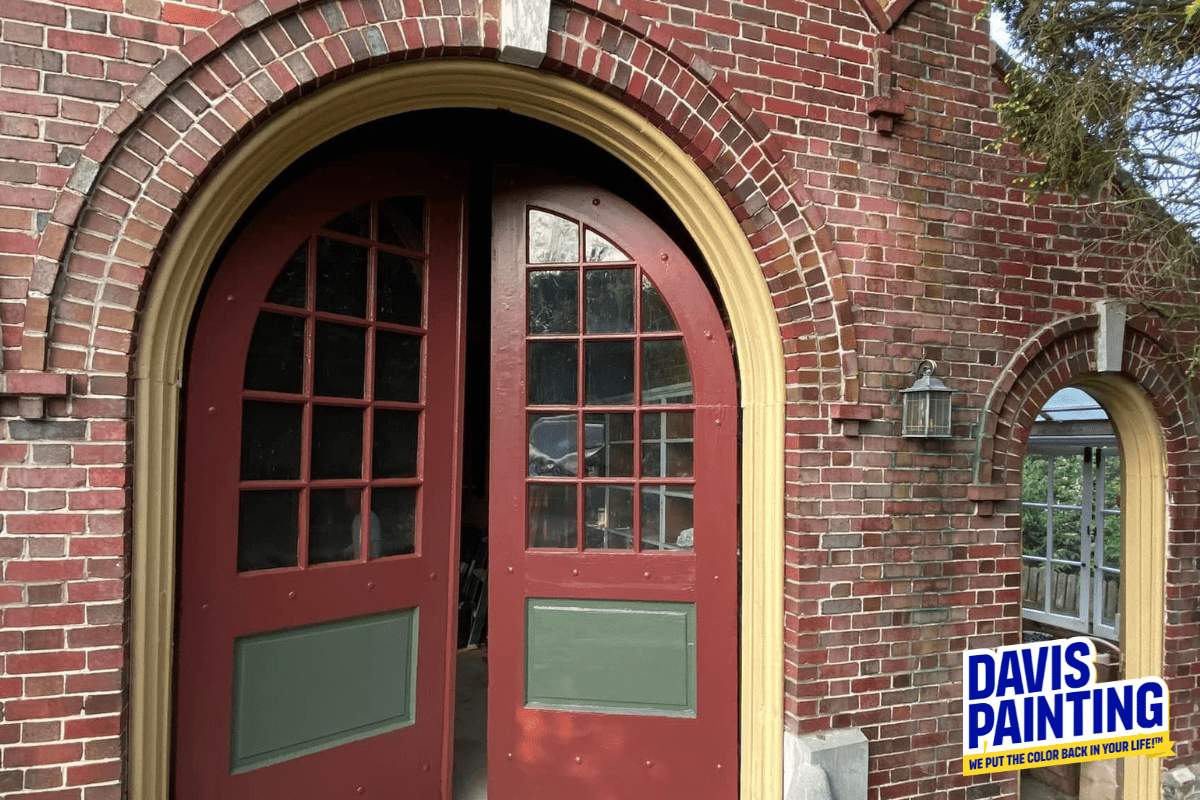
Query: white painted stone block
{"x": 1110, "y": 337}
{"x": 524, "y": 31}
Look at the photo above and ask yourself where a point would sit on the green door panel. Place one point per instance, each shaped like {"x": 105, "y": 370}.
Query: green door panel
{"x": 306, "y": 689}
{"x": 612, "y": 656}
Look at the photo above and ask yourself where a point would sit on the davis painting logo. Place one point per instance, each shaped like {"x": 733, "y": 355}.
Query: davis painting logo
{"x": 1033, "y": 705}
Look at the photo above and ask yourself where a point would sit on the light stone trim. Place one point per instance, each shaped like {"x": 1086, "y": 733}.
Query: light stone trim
{"x": 359, "y": 99}
{"x": 524, "y": 31}
{"x": 1110, "y": 336}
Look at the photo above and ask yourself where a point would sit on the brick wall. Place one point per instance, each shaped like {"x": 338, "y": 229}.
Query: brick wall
{"x": 879, "y": 250}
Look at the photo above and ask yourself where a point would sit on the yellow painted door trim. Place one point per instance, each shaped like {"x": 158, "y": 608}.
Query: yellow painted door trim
{"x": 1143, "y": 546}
{"x": 466, "y": 84}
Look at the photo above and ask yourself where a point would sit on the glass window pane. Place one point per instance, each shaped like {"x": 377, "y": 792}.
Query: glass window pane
{"x": 598, "y": 249}
{"x": 608, "y": 443}
{"x": 336, "y": 442}
{"x": 1034, "y": 475}
{"x": 1111, "y": 551}
{"x": 397, "y": 367}
{"x": 553, "y": 301}
{"x": 609, "y": 300}
{"x": 1033, "y": 531}
{"x": 665, "y": 374}
{"x": 1068, "y": 480}
{"x": 667, "y": 444}
{"x": 268, "y": 529}
{"x": 334, "y": 517}
{"x": 655, "y": 314}
{"x": 398, "y": 290}
{"x": 271, "y": 441}
{"x": 608, "y": 515}
{"x": 1064, "y": 589}
{"x": 553, "y": 373}
{"x": 393, "y": 521}
{"x": 1110, "y": 599}
{"x": 1066, "y": 535}
{"x": 339, "y": 360}
{"x": 667, "y": 518}
{"x": 355, "y": 222}
{"x": 552, "y": 239}
{"x": 1033, "y": 584}
{"x": 402, "y": 222}
{"x": 288, "y": 288}
{"x": 341, "y": 278}
{"x": 552, "y": 444}
{"x": 1112, "y": 479}
{"x": 552, "y": 520}
{"x": 275, "y": 360}
{"x": 609, "y": 373}
{"x": 394, "y": 454}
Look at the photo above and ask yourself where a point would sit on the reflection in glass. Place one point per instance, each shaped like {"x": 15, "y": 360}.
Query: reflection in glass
{"x": 402, "y": 222}
{"x": 552, "y": 444}
{"x": 553, "y": 373}
{"x": 608, "y": 442}
{"x": 275, "y": 360}
{"x": 394, "y": 454}
{"x": 1033, "y": 584}
{"x": 355, "y": 222}
{"x": 268, "y": 529}
{"x": 1111, "y": 552}
{"x": 332, "y": 514}
{"x": 1034, "y": 474}
{"x": 1110, "y": 599}
{"x": 398, "y": 289}
{"x": 397, "y": 367}
{"x": 667, "y": 518}
{"x": 271, "y": 441}
{"x": 1064, "y": 589}
{"x": 609, "y": 300}
{"x": 665, "y": 374}
{"x": 553, "y": 296}
{"x": 336, "y": 442}
{"x": 341, "y": 278}
{"x": 667, "y": 444}
{"x": 288, "y": 288}
{"x": 608, "y": 514}
{"x": 598, "y": 249}
{"x": 609, "y": 373}
{"x": 552, "y": 239}
{"x": 393, "y": 526}
{"x": 1066, "y": 524}
{"x": 1033, "y": 531}
{"x": 655, "y": 314}
{"x": 551, "y": 517}
{"x": 339, "y": 360}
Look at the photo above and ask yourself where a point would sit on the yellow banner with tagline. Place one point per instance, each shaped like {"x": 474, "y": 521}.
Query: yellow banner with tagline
{"x": 1150, "y": 745}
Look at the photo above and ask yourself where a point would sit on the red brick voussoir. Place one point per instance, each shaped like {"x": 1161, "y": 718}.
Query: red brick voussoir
{"x": 150, "y": 155}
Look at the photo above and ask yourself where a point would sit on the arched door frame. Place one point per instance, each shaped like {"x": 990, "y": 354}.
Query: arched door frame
{"x": 465, "y": 84}
{"x": 1143, "y": 544}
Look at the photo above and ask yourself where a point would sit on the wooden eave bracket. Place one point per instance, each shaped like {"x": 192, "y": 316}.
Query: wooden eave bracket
{"x": 986, "y": 495}
{"x": 850, "y": 415}
{"x": 32, "y": 388}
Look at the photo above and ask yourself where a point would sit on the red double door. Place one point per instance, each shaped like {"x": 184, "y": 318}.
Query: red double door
{"x": 320, "y": 513}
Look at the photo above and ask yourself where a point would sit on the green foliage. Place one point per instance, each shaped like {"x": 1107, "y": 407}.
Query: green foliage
{"x": 1067, "y": 491}
{"x": 1107, "y": 93}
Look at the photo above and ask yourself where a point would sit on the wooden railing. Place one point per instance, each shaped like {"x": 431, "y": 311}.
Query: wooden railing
{"x": 1064, "y": 592}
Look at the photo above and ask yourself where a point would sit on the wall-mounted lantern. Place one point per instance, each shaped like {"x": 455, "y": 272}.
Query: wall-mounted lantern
{"x": 927, "y": 405}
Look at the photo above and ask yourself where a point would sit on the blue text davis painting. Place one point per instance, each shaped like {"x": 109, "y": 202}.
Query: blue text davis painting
{"x": 1034, "y": 705}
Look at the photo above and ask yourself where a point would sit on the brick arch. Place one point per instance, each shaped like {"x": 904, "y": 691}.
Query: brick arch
{"x": 1057, "y": 356}
{"x": 151, "y": 154}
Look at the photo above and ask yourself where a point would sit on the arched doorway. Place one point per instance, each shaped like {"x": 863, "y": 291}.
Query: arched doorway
{"x": 671, "y": 488}
{"x": 1134, "y": 623}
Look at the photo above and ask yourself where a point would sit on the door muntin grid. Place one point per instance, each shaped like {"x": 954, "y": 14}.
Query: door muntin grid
{"x": 607, "y": 377}
{"x": 334, "y": 393}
